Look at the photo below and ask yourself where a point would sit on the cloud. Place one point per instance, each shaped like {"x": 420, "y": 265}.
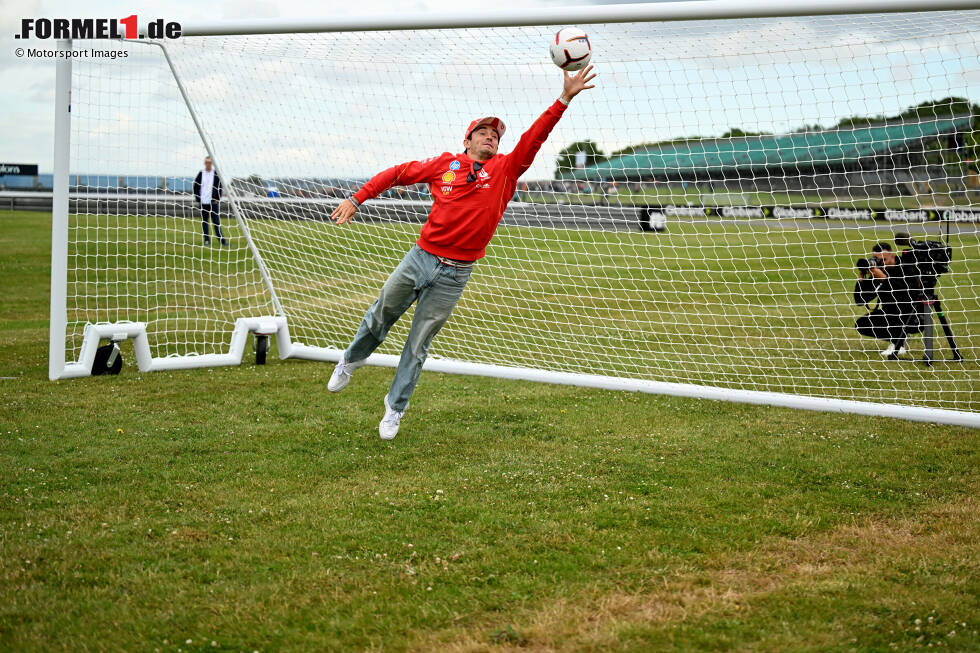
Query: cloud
{"x": 972, "y": 77}
{"x": 249, "y": 9}
{"x": 41, "y": 91}
{"x": 12, "y": 11}
{"x": 315, "y": 104}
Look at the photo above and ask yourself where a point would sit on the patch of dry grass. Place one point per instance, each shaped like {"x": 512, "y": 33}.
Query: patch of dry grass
{"x": 740, "y": 587}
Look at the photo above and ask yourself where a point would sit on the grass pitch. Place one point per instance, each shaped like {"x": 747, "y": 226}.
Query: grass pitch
{"x": 760, "y": 305}
{"x": 248, "y": 509}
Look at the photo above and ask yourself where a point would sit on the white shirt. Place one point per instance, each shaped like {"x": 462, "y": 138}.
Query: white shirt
{"x": 207, "y": 183}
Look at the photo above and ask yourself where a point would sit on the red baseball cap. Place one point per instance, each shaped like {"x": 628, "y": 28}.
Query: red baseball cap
{"x": 489, "y": 121}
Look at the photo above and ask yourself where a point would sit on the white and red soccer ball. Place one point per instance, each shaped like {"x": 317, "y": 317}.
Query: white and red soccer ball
{"x": 570, "y": 49}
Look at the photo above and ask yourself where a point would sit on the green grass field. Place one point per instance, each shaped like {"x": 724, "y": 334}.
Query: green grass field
{"x": 756, "y": 306}
{"x": 246, "y": 509}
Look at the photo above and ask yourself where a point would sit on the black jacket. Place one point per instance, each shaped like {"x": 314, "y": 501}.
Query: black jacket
{"x": 895, "y": 297}
{"x": 215, "y": 189}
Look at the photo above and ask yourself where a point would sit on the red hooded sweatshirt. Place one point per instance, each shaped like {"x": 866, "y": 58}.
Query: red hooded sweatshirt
{"x": 465, "y": 215}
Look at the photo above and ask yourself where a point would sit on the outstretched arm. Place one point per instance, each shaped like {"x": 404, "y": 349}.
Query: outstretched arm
{"x": 403, "y": 174}
{"x": 531, "y": 141}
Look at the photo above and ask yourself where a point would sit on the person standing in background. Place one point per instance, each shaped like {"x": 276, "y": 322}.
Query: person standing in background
{"x": 207, "y": 192}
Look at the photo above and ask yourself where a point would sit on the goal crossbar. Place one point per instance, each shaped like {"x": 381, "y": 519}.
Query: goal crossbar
{"x": 624, "y": 13}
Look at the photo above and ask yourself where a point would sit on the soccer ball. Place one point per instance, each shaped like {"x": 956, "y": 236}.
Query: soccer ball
{"x": 570, "y": 49}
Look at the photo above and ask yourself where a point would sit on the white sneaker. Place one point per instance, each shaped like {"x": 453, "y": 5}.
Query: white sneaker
{"x": 388, "y": 428}
{"x": 888, "y": 352}
{"x": 341, "y": 375}
{"x": 902, "y": 351}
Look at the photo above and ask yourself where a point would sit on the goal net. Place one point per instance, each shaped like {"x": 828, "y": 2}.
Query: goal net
{"x": 692, "y": 222}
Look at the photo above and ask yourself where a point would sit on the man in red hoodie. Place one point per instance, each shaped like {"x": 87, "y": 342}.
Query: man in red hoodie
{"x": 470, "y": 192}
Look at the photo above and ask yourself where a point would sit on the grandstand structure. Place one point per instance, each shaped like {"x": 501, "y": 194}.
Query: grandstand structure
{"x": 877, "y": 160}
{"x": 109, "y": 184}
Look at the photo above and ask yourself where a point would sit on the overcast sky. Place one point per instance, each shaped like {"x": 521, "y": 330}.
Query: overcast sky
{"x": 26, "y": 105}
{"x": 700, "y": 83}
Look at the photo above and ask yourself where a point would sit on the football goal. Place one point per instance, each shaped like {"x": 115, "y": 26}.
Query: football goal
{"x": 694, "y": 225}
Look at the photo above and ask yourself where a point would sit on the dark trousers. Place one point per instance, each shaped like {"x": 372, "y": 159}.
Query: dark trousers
{"x": 885, "y": 326}
{"x": 210, "y": 211}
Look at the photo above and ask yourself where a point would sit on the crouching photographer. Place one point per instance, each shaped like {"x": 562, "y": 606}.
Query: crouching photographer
{"x": 896, "y": 315}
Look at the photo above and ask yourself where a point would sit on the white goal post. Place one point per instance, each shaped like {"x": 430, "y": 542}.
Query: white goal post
{"x": 691, "y": 227}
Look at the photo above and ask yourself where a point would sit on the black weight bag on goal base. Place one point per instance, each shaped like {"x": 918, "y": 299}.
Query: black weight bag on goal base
{"x": 108, "y": 360}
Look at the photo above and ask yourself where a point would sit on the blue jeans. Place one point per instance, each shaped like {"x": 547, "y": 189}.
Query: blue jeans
{"x": 437, "y": 287}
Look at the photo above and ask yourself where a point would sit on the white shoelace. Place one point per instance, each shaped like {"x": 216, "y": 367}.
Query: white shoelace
{"x": 394, "y": 418}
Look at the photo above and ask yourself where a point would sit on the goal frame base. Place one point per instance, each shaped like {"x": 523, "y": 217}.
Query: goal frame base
{"x": 278, "y": 326}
